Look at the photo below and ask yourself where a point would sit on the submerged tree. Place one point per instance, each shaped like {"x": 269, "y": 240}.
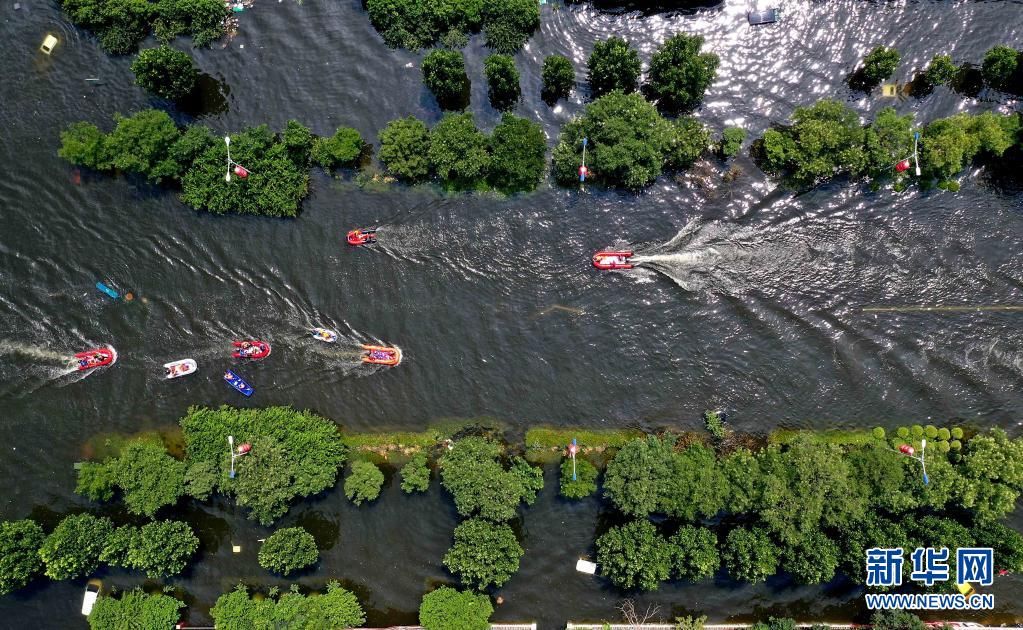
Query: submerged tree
{"x": 680, "y": 73}
{"x": 458, "y": 152}
{"x": 73, "y": 548}
{"x": 481, "y": 485}
{"x": 878, "y": 65}
{"x": 518, "y": 150}
{"x": 405, "y": 148}
{"x": 339, "y": 150}
{"x": 444, "y": 74}
{"x": 1002, "y": 68}
{"x": 165, "y": 72}
{"x": 135, "y": 609}
{"x": 449, "y": 609}
{"x": 19, "y": 553}
{"x": 558, "y": 78}
{"x": 364, "y": 483}
{"x": 288, "y": 550}
{"x": 502, "y": 81}
{"x": 613, "y": 65}
{"x": 484, "y": 554}
{"x": 415, "y": 474}
{"x": 634, "y": 555}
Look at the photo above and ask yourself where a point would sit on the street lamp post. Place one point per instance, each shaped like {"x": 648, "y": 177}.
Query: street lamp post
{"x": 230, "y": 444}
{"x": 227, "y": 176}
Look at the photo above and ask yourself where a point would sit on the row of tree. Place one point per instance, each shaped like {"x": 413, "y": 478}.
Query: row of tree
{"x": 80, "y": 542}
{"x": 415, "y": 24}
{"x": 122, "y": 24}
{"x": 1001, "y": 69}
{"x": 827, "y": 141}
{"x": 809, "y": 508}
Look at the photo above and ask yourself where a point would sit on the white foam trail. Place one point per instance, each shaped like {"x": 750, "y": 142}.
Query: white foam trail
{"x": 35, "y": 352}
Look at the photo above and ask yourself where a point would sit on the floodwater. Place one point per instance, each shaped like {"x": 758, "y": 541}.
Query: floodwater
{"x": 788, "y": 310}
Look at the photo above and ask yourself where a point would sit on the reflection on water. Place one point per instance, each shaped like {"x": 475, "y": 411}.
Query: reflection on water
{"x": 746, "y": 297}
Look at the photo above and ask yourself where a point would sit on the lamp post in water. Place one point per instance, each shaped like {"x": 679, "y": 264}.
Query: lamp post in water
{"x": 230, "y": 438}
{"x": 573, "y": 448}
{"x": 227, "y": 178}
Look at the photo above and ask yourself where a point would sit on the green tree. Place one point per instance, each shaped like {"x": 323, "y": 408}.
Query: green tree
{"x": 941, "y": 71}
{"x": 680, "y": 73}
{"x": 118, "y": 546}
{"x": 236, "y": 611}
{"x": 878, "y": 65}
{"x": 337, "y": 608}
{"x": 288, "y": 550}
{"x": 165, "y": 72}
{"x": 585, "y": 482}
{"x": 458, "y": 153}
{"x": 635, "y": 479}
{"x": 364, "y": 483}
{"x": 508, "y": 24}
{"x": 204, "y": 20}
{"x": 814, "y": 561}
{"x": 896, "y": 620}
{"x": 485, "y": 554}
{"x": 502, "y": 81}
{"x": 750, "y": 555}
{"x": 73, "y": 548}
{"x": 408, "y": 24}
{"x": 774, "y": 623}
{"x": 340, "y": 150}
{"x": 742, "y": 470}
{"x": 135, "y": 609}
{"x": 871, "y": 531}
{"x": 415, "y": 474}
{"x": 298, "y": 142}
{"x": 294, "y": 454}
{"x": 518, "y": 149}
{"x": 888, "y": 139}
{"x": 85, "y": 144}
{"x": 479, "y": 483}
{"x": 405, "y": 149}
{"x": 1007, "y": 544}
{"x": 20, "y": 542}
{"x": 444, "y": 74}
{"x": 635, "y": 556}
{"x": 731, "y": 141}
{"x": 1000, "y": 67}
{"x": 627, "y": 142}
{"x": 558, "y": 78}
{"x": 688, "y": 140}
{"x": 162, "y": 548}
{"x": 694, "y": 553}
{"x": 613, "y": 65}
{"x": 448, "y": 609}
{"x": 948, "y": 145}
{"x": 149, "y": 478}
{"x": 824, "y": 141}
{"x": 142, "y": 144}
{"x": 96, "y": 481}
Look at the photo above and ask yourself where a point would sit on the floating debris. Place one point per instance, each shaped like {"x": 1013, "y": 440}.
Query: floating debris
{"x": 767, "y": 16}
{"x": 49, "y": 43}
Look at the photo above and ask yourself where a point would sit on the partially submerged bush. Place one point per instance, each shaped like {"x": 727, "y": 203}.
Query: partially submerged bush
{"x": 288, "y": 550}
{"x": 340, "y": 150}
{"x": 415, "y": 474}
{"x": 481, "y": 485}
{"x": 613, "y": 65}
{"x": 585, "y": 482}
{"x": 484, "y": 554}
{"x": 558, "y": 78}
{"x": 502, "y": 81}
{"x": 72, "y": 549}
{"x": 165, "y": 72}
{"x": 449, "y": 609}
{"x": 338, "y": 609}
{"x": 364, "y": 483}
{"x": 444, "y": 74}
{"x": 19, "y": 553}
{"x": 680, "y": 74}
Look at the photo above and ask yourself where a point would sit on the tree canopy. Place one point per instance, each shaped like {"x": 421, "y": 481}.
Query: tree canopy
{"x": 634, "y": 555}
{"x": 458, "y": 153}
{"x": 336, "y": 608}
{"x": 340, "y": 150}
{"x": 148, "y": 477}
{"x": 364, "y": 483}
{"x": 449, "y": 609}
{"x": 416, "y": 24}
{"x": 288, "y": 550}
{"x": 19, "y": 553}
{"x": 73, "y": 548}
{"x": 585, "y": 482}
{"x": 294, "y": 454}
{"x": 627, "y": 143}
{"x": 444, "y": 74}
{"x": 484, "y": 554}
{"x": 405, "y": 149}
{"x": 613, "y": 65}
{"x": 121, "y": 25}
{"x": 482, "y": 485}
{"x": 502, "y": 81}
{"x": 415, "y": 474}
{"x": 1002, "y": 68}
{"x": 680, "y": 74}
{"x": 135, "y": 609}
{"x": 165, "y": 72}
{"x": 558, "y": 78}
{"x": 518, "y": 155}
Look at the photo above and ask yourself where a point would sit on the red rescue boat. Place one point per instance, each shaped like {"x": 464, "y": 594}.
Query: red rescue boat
{"x": 251, "y": 349}
{"x": 97, "y": 357}
{"x": 359, "y": 236}
{"x": 381, "y": 355}
{"x": 612, "y": 260}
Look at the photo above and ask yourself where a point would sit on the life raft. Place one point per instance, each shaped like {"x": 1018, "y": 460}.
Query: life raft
{"x": 251, "y": 349}
{"x": 381, "y": 355}
{"x": 612, "y": 260}
{"x": 362, "y": 237}
{"x": 97, "y": 357}
{"x": 177, "y": 369}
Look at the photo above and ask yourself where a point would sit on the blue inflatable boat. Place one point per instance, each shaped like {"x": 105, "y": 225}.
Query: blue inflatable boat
{"x": 238, "y": 383}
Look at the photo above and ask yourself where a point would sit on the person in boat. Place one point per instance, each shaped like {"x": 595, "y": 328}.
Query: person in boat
{"x": 169, "y": 371}
{"x": 252, "y": 350}
{"x": 245, "y": 345}
{"x": 379, "y": 354}
{"x": 229, "y": 377}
